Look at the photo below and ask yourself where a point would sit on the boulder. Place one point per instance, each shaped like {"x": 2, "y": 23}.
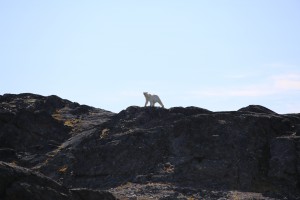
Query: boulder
{"x": 20, "y": 183}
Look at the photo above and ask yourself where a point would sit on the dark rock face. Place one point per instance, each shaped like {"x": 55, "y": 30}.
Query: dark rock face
{"x": 87, "y": 194}
{"x": 284, "y": 161}
{"x": 175, "y": 153}
{"x": 257, "y": 109}
{"x": 32, "y": 125}
{"x": 227, "y": 150}
{"x": 20, "y": 183}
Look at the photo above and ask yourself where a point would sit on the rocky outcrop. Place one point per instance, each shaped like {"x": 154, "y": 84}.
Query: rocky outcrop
{"x": 20, "y": 183}
{"x": 31, "y": 126}
{"x": 257, "y": 109}
{"x": 194, "y": 148}
{"x": 175, "y": 153}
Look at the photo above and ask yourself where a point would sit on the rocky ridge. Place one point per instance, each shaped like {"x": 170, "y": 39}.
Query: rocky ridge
{"x": 152, "y": 153}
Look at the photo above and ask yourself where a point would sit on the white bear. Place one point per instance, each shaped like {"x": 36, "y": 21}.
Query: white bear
{"x": 152, "y": 99}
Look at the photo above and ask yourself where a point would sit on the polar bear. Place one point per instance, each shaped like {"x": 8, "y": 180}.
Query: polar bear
{"x": 152, "y": 99}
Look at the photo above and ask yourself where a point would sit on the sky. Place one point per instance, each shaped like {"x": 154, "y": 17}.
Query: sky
{"x": 214, "y": 54}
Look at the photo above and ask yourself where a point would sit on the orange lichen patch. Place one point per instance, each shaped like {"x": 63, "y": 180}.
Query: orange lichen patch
{"x": 71, "y": 122}
{"x": 234, "y": 196}
{"x": 169, "y": 168}
{"x": 55, "y": 151}
{"x": 104, "y": 133}
{"x": 63, "y": 169}
{"x": 126, "y": 185}
{"x": 30, "y": 101}
{"x": 14, "y": 163}
{"x": 57, "y": 115}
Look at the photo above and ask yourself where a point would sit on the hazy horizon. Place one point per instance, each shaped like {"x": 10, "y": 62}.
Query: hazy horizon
{"x": 216, "y": 55}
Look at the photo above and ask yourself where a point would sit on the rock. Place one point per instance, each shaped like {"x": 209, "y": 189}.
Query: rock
{"x": 257, "y": 109}
{"x": 225, "y": 150}
{"x": 146, "y": 152}
{"x": 87, "y": 194}
{"x": 21, "y": 183}
{"x": 189, "y": 110}
{"x": 283, "y": 162}
{"x": 34, "y": 126}
{"x": 30, "y": 132}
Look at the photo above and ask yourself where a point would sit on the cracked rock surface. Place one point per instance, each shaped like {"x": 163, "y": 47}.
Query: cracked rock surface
{"x": 154, "y": 153}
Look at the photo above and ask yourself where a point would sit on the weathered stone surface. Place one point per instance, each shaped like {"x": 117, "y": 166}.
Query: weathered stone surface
{"x": 227, "y": 150}
{"x": 257, "y": 109}
{"x": 175, "y": 153}
{"x": 33, "y": 126}
{"x": 86, "y": 194}
{"x": 20, "y": 183}
{"x": 284, "y": 160}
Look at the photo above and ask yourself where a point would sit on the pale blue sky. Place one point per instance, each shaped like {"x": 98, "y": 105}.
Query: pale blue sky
{"x": 215, "y": 54}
